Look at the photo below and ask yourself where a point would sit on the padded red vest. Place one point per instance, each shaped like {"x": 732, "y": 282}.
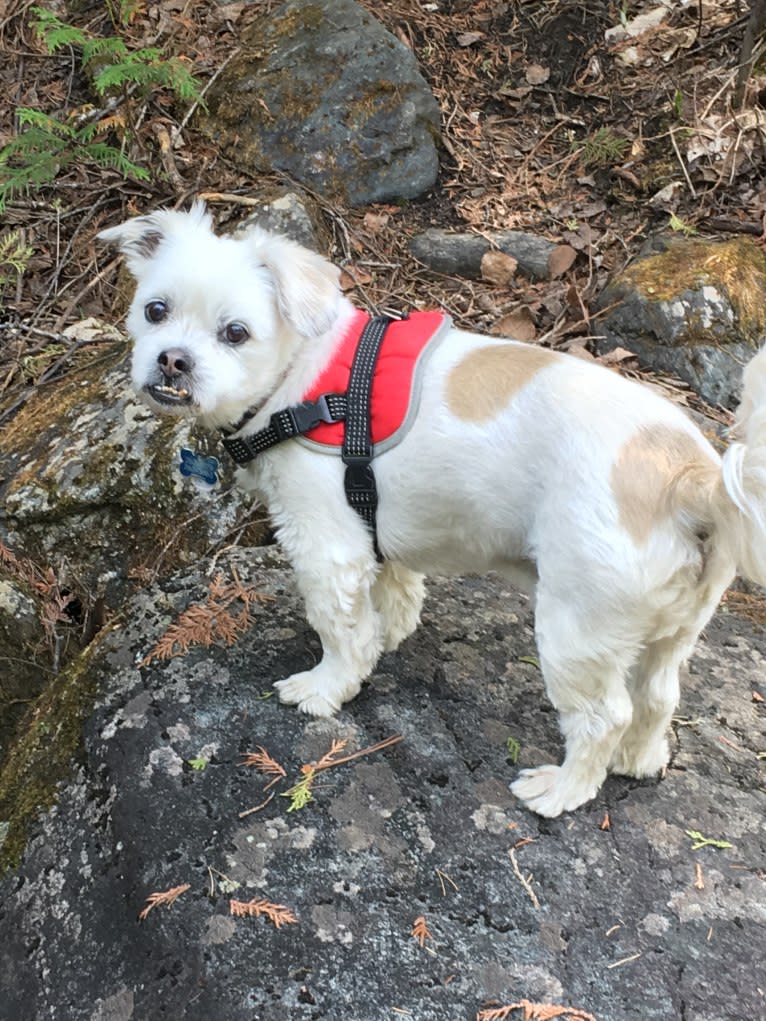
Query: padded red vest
{"x": 396, "y": 383}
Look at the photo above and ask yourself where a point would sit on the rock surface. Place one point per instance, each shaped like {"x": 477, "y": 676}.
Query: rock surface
{"x": 326, "y": 94}
{"x": 695, "y": 309}
{"x": 627, "y": 922}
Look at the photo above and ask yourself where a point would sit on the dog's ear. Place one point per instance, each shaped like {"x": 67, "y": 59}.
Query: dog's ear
{"x": 306, "y": 284}
{"x": 138, "y": 239}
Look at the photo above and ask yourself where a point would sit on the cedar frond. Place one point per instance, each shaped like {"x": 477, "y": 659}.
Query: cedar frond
{"x": 534, "y": 1012}
{"x": 264, "y": 763}
{"x": 300, "y": 794}
{"x": 420, "y": 930}
{"x": 327, "y": 760}
{"x": 166, "y": 897}
{"x": 209, "y": 622}
{"x": 278, "y": 914}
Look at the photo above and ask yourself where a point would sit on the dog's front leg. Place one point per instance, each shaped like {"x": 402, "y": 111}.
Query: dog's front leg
{"x": 336, "y": 583}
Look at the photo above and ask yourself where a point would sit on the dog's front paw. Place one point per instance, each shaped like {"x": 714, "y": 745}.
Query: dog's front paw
{"x": 550, "y": 790}
{"x": 307, "y": 692}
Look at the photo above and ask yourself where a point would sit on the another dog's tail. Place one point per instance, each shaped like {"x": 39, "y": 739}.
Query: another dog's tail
{"x": 740, "y": 503}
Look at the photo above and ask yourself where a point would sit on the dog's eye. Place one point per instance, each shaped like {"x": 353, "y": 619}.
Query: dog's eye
{"x": 155, "y": 311}
{"x": 235, "y": 333}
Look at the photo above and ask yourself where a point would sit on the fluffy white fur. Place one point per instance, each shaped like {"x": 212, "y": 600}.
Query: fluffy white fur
{"x": 534, "y": 490}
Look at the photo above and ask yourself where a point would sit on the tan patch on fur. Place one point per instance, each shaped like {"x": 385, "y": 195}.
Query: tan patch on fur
{"x": 659, "y": 471}
{"x": 485, "y": 381}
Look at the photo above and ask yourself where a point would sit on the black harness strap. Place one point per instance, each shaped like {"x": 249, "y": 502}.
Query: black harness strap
{"x": 285, "y": 424}
{"x": 353, "y": 407}
{"x": 359, "y": 481}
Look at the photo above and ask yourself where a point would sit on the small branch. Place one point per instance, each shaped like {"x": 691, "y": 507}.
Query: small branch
{"x": 524, "y": 880}
{"x": 263, "y": 804}
{"x": 389, "y": 741}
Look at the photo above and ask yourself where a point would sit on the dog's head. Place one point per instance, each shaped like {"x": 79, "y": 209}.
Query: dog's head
{"x": 217, "y": 321}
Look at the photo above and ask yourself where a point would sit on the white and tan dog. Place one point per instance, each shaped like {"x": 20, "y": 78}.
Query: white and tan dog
{"x": 589, "y": 491}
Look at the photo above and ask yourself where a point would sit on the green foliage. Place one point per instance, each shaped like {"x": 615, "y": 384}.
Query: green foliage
{"x": 38, "y": 154}
{"x": 601, "y": 149}
{"x": 514, "y": 749}
{"x": 14, "y": 256}
{"x": 700, "y": 841}
{"x": 681, "y": 226}
{"x": 46, "y": 145}
{"x": 199, "y": 763}
{"x": 300, "y": 795}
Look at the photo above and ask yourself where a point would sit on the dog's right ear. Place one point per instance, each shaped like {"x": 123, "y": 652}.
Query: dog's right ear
{"x": 138, "y": 239}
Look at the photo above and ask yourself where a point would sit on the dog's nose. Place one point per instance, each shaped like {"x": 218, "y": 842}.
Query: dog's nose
{"x": 175, "y": 361}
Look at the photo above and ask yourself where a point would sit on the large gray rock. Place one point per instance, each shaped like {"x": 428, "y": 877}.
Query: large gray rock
{"x": 323, "y": 92}
{"x": 629, "y": 922}
{"x": 696, "y": 309}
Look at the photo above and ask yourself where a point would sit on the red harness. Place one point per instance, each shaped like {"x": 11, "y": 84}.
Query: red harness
{"x": 361, "y": 405}
{"x": 393, "y": 389}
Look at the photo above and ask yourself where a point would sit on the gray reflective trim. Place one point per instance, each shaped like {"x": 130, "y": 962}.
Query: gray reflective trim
{"x": 412, "y": 408}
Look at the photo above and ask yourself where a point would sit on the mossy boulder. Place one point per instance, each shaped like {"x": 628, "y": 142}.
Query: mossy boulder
{"x": 92, "y": 506}
{"x": 324, "y": 93}
{"x": 695, "y": 308}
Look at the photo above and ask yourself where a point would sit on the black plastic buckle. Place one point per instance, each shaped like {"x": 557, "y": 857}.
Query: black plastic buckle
{"x": 301, "y": 417}
{"x": 359, "y": 481}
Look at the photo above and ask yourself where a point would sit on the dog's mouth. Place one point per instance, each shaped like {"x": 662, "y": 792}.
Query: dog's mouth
{"x": 169, "y": 395}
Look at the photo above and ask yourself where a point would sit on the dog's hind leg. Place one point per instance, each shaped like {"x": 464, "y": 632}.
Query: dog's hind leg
{"x": 584, "y": 671}
{"x": 398, "y": 595}
{"x": 654, "y": 689}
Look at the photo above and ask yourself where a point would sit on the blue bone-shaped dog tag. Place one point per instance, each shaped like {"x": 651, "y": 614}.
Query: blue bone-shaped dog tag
{"x": 198, "y": 467}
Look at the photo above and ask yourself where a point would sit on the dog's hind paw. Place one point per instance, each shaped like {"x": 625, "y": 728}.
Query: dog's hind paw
{"x": 549, "y": 790}
{"x": 641, "y": 762}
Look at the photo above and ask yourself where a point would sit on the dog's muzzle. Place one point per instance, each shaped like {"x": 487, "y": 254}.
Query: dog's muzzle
{"x": 175, "y": 367}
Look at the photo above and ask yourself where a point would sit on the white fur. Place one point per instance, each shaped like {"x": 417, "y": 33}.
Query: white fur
{"x": 527, "y": 493}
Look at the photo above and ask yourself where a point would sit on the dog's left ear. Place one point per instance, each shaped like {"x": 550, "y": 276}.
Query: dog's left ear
{"x": 306, "y": 284}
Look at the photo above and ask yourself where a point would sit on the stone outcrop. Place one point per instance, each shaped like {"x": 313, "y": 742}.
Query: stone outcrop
{"x": 610, "y": 909}
{"x": 696, "y": 309}
{"x": 324, "y": 93}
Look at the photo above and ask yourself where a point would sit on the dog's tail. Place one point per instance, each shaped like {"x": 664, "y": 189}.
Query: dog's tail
{"x": 739, "y": 504}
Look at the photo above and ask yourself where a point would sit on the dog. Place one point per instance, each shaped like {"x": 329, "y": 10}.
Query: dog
{"x": 589, "y": 491}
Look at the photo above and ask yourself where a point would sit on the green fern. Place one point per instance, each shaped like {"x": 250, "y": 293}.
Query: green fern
{"x": 36, "y": 156}
{"x": 55, "y": 33}
{"x": 46, "y": 144}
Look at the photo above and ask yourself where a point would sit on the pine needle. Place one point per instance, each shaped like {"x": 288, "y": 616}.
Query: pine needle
{"x": 278, "y": 914}
{"x": 166, "y": 897}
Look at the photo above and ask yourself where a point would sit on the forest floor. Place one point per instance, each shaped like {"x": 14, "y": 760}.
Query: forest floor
{"x": 551, "y": 124}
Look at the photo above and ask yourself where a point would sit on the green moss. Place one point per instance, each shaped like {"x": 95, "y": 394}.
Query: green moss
{"x": 736, "y": 267}
{"x": 44, "y": 754}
